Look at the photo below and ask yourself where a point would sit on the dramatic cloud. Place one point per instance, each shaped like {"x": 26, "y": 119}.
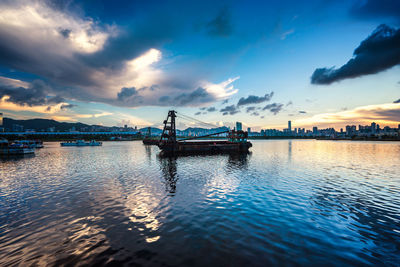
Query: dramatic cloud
{"x": 289, "y": 103}
{"x": 302, "y": 112}
{"x": 211, "y": 109}
{"x": 87, "y": 60}
{"x": 274, "y": 108}
{"x": 380, "y": 51}
{"x": 252, "y": 99}
{"x": 255, "y": 113}
{"x": 198, "y": 96}
{"x": 221, "y": 25}
{"x": 396, "y": 101}
{"x": 197, "y": 113}
{"x": 384, "y": 114}
{"x": 37, "y": 94}
{"x": 231, "y": 110}
{"x": 127, "y": 93}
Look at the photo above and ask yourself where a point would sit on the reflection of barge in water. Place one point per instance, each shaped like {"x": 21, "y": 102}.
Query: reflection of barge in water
{"x": 169, "y": 145}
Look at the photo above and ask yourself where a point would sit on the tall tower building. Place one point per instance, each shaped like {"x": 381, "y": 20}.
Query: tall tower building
{"x": 289, "y": 126}
{"x": 238, "y": 126}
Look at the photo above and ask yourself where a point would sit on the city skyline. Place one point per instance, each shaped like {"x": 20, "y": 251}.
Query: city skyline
{"x": 372, "y": 130}
{"x": 319, "y": 63}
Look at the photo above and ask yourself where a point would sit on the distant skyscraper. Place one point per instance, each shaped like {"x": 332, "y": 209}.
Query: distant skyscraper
{"x": 373, "y": 127}
{"x": 249, "y": 130}
{"x": 315, "y": 130}
{"x": 289, "y": 125}
{"x": 238, "y": 126}
{"x": 1, "y": 119}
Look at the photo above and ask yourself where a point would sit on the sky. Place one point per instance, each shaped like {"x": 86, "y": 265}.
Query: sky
{"x": 319, "y": 62}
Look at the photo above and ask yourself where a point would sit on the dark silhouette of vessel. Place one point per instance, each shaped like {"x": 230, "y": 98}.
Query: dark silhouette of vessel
{"x": 169, "y": 145}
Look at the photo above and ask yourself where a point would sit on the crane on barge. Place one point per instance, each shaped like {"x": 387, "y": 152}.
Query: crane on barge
{"x": 169, "y": 145}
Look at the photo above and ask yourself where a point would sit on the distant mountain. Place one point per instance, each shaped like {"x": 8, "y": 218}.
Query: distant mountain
{"x": 42, "y": 124}
{"x": 154, "y": 131}
{"x": 45, "y": 124}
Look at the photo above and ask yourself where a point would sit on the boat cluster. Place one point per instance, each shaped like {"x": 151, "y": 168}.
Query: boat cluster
{"x": 19, "y": 147}
{"x": 81, "y": 143}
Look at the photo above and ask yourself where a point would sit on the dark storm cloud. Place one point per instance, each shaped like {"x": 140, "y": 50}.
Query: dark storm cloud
{"x": 67, "y": 106}
{"x": 211, "y": 109}
{"x": 379, "y": 52}
{"x": 200, "y": 95}
{"x": 376, "y": 9}
{"x": 396, "y": 101}
{"x": 126, "y": 93}
{"x": 65, "y": 32}
{"x": 133, "y": 41}
{"x": 274, "y": 107}
{"x": 164, "y": 99}
{"x": 252, "y": 99}
{"x": 231, "y": 110}
{"x": 248, "y": 109}
{"x": 221, "y": 25}
{"x": 203, "y": 108}
{"x": 81, "y": 72}
{"x": 129, "y": 96}
{"x": 36, "y": 95}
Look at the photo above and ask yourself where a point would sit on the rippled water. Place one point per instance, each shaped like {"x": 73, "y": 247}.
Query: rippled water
{"x": 288, "y": 202}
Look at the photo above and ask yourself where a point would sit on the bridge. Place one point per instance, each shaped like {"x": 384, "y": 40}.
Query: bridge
{"x": 68, "y": 133}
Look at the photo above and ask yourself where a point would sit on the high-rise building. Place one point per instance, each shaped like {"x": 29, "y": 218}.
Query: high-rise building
{"x": 1, "y": 119}
{"x": 289, "y": 126}
{"x": 238, "y": 126}
{"x": 315, "y": 130}
{"x": 249, "y": 130}
{"x": 373, "y": 127}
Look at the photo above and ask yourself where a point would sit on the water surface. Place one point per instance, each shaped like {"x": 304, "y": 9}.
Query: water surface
{"x": 290, "y": 201}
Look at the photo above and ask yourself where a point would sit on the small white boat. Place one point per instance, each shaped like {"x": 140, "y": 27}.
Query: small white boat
{"x": 31, "y": 143}
{"x": 15, "y": 149}
{"x": 81, "y": 143}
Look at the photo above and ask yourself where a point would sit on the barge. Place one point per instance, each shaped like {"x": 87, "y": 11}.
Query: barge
{"x": 147, "y": 140}
{"x": 169, "y": 145}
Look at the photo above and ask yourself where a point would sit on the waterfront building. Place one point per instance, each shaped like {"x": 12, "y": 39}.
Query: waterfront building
{"x": 238, "y": 126}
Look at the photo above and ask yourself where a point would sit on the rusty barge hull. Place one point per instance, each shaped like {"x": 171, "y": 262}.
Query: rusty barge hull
{"x": 204, "y": 147}
{"x": 151, "y": 142}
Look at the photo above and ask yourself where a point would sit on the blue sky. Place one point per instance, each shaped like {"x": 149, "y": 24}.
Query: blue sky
{"x": 326, "y": 63}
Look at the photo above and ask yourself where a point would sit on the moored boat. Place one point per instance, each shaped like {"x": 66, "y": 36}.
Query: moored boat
{"x": 81, "y": 143}
{"x": 169, "y": 145}
{"x": 7, "y": 148}
{"x": 31, "y": 143}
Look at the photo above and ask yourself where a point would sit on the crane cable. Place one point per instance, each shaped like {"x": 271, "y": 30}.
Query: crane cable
{"x": 186, "y": 117}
